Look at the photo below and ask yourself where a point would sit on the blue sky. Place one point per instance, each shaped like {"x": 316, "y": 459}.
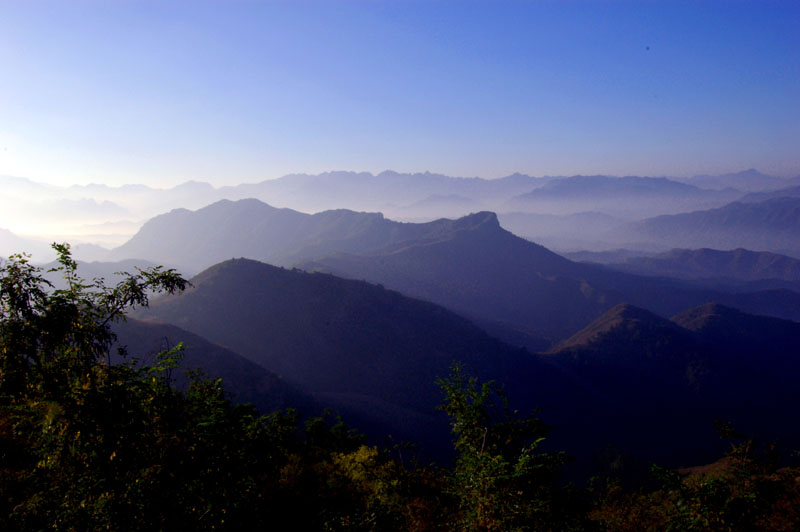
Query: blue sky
{"x": 234, "y": 91}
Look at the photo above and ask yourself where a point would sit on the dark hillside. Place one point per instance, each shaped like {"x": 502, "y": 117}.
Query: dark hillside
{"x": 486, "y": 273}
{"x": 708, "y": 363}
{"x": 248, "y": 382}
{"x": 355, "y": 346}
{"x": 632, "y": 380}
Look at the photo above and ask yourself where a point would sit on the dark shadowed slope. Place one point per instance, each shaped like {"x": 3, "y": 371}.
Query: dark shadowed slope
{"x": 672, "y": 379}
{"x": 652, "y": 370}
{"x": 355, "y": 346}
{"x": 481, "y": 270}
{"x": 484, "y": 272}
{"x": 632, "y": 380}
{"x": 626, "y": 334}
{"x": 776, "y": 341}
{"x": 330, "y": 334}
{"x": 470, "y": 265}
{"x": 245, "y": 380}
{"x": 759, "y": 365}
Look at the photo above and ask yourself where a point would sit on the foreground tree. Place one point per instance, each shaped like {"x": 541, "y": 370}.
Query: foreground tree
{"x": 87, "y": 444}
{"x": 501, "y": 480}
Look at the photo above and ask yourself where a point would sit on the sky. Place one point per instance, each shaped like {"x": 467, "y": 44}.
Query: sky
{"x": 233, "y": 91}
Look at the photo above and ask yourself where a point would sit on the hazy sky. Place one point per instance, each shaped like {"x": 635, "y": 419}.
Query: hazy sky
{"x": 229, "y": 92}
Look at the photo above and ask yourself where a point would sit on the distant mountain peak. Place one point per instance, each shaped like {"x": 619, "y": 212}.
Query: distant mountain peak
{"x": 478, "y": 219}
{"x": 631, "y": 312}
{"x": 700, "y": 317}
{"x": 623, "y": 320}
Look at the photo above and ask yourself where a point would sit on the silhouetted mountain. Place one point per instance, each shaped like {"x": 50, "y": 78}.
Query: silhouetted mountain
{"x": 625, "y": 335}
{"x": 396, "y": 194}
{"x": 73, "y": 211}
{"x": 775, "y": 341}
{"x": 759, "y": 365}
{"x": 470, "y": 265}
{"x": 250, "y": 228}
{"x": 771, "y": 225}
{"x": 631, "y": 380}
{"x": 626, "y": 196}
{"x": 747, "y": 180}
{"x": 611, "y": 256}
{"x": 356, "y": 347}
{"x": 737, "y": 265}
{"x": 484, "y": 272}
{"x": 789, "y": 192}
{"x": 194, "y": 240}
{"x": 654, "y": 370}
{"x": 710, "y": 362}
{"x": 246, "y": 381}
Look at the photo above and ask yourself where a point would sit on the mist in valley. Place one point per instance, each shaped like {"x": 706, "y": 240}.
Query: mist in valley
{"x": 399, "y": 266}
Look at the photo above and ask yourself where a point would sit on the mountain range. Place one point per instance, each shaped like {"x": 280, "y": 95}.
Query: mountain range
{"x": 353, "y": 346}
{"x": 471, "y": 265}
{"x": 248, "y": 382}
{"x": 706, "y": 363}
{"x": 769, "y": 225}
{"x": 620, "y": 196}
{"x": 632, "y": 380}
{"x": 747, "y": 180}
{"x": 108, "y": 216}
{"x": 738, "y": 268}
{"x": 487, "y": 273}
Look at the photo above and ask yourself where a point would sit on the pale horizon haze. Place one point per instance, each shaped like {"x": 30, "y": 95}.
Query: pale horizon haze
{"x": 160, "y": 93}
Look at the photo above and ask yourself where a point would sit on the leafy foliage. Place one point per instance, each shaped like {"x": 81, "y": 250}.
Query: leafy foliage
{"x": 500, "y": 480}
{"x": 744, "y": 491}
{"x": 90, "y": 445}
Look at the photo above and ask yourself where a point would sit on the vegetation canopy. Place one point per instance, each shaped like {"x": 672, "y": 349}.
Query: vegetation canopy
{"x": 91, "y": 441}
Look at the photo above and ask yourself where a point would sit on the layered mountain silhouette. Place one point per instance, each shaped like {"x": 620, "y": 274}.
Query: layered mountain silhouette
{"x": 788, "y": 192}
{"x": 194, "y": 240}
{"x": 628, "y": 196}
{"x": 707, "y": 363}
{"x": 631, "y": 379}
{"x": 487, "y": 273}
{"x": 736, "y": 267}
{"x": 356, "y": 347}
{"x": 770, "y": 225}
{"x": 470, "y": 265}
{"x": 246, "y": 381}
{"x": 746, "y": 180}
{"x": 401, "y": 196}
